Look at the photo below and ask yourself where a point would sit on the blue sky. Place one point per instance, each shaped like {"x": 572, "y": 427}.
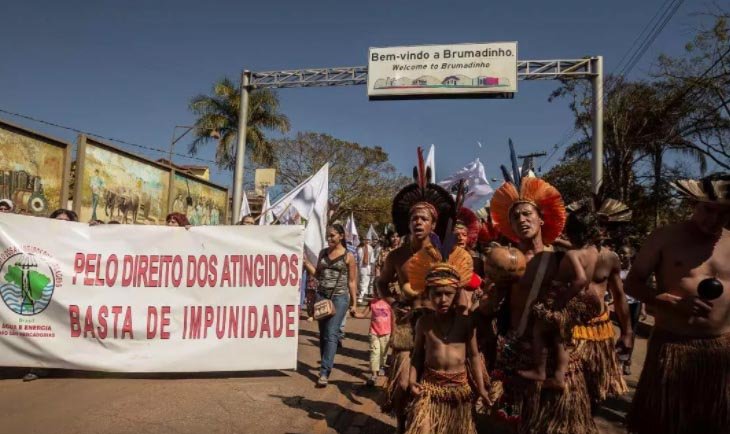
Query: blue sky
{"x": 128, "y": 69}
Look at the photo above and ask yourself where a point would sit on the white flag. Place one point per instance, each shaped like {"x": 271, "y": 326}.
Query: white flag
{"x": 268, "y": 217}
{"x": 351, "y": 235}
{"x": 478, "y": 191}
{"x": 245, "y": 208}
{"x": 309, "y": 199}
{"x": 371, "y": 235}
{"x": 431, "y": 162}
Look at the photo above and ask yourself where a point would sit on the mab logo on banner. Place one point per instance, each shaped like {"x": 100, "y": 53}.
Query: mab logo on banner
{"x": 27, "y": 280}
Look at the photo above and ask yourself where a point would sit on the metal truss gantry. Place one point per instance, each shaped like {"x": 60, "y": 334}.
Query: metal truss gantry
{"x": 587, "y": 68}
{"x": 358, "y": 75}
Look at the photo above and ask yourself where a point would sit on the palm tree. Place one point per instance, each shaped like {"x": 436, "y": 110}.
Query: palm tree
{"x": 217, "y": 117}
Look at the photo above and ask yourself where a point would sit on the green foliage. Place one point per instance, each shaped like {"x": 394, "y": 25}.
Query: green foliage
{"x": 217, "y": 115}
{"x": 572, "y": 178}
{"x": 362, "y": 181}
{"x": 679, "y": 114}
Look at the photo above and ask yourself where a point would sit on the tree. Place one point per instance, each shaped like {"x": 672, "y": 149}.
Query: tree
{"x": 217, "y": 117}
{"x": 627, "y": 110}
{"x": 683, "y": 110}
{"x": 700, "y": 85}
{"x": 572, "y": 179}
{"x": 362, "y": 181}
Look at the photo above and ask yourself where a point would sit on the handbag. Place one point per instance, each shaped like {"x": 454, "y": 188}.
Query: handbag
{"x": 324, "y": 309}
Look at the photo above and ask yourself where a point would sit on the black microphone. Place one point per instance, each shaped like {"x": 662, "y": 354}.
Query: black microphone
{"x": 710, "y": 289}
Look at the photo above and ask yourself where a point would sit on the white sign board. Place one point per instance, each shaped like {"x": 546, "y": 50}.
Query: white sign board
{"x": 466, "y": 70}
{"x": 148, "y": 298}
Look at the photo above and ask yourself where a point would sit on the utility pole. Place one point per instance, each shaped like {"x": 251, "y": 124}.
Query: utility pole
{"x": 528, "y": 162}
{"x": 241, "y": 145}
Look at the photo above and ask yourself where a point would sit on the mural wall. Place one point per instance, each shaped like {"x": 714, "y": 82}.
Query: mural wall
{"x": 203, "y": 203}
{"x": 115, "y": 186}
{"x": 32, "y": 170}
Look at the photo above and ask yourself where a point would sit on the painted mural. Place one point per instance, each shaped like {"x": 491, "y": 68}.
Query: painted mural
{"x": 31, "y": 172}
{"x": 202, "y": 203}
{"x": 117, "y": 187}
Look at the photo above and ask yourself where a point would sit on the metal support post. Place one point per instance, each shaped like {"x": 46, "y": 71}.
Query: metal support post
{"x": 241, "y": 146}
{"x": 597, "y": 157}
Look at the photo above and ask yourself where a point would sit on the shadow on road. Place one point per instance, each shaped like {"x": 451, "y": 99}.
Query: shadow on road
{"x": 336, "y": 416}
{"x": 355, "y": 392}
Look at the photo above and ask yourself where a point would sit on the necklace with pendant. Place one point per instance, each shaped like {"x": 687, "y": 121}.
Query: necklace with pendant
{"x": 445, "y": 336}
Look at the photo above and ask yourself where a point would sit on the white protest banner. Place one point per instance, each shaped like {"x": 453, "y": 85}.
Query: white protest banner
{"x": 148, "y": 298}
{"x": 471, "y": 70}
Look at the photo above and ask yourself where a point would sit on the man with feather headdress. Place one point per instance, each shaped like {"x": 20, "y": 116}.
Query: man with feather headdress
{"x": 421, "y": 213}
{"x": 685, "y": 384}
{"x": 530, "y": 212}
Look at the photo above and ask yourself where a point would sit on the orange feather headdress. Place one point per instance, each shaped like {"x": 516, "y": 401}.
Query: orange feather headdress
{"x": 420, "y": 270}
{"x": 537, "y": 192}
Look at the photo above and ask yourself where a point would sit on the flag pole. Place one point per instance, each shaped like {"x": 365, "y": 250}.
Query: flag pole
{"x": 282, "y": 214}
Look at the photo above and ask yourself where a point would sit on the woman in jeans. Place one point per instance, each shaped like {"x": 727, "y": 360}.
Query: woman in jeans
{"x": 336, "y": 272}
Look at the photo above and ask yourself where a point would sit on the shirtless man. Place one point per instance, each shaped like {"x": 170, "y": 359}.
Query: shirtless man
{"x": 685, "y": 383}
{"x": 422, "y": 221}
{"x": 533, "y": 217}
{"x": 594, "y": 341}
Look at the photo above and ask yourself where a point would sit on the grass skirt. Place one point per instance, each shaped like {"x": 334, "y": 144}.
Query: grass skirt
{"x": 684, "y": 387}
{"x": 395, "y": 399}
{"x": 595, "y": 347}
{"x": 555, "y": 412}
{"x": 446, "y": 405}
{"x": 525, "y": 408}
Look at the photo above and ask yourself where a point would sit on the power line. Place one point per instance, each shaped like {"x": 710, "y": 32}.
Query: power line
{"x": 651, "y": 37}
{"x": 99, "y": 136}
{"x": 665, "y": 14}
{"x": 641, "y": 34}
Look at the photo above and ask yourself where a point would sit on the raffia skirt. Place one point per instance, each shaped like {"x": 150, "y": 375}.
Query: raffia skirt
{"x": 525, "y": 408}
{"x": 401, "y": 341}
{"x": 595, "y": 346}
{"x": 684, "y": 387}
{"x": 446, "y": 405}
{"x": 556, "y": 412}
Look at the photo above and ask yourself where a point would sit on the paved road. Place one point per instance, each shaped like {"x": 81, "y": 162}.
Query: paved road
{"x": 263, "y": 402}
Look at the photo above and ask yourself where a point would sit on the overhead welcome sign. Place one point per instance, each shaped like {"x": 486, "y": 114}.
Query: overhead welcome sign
{"x": 148, "y": 298}
{"x": 431, "y": 71}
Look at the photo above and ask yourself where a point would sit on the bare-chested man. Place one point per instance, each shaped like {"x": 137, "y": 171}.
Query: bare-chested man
{"x": 422, "y": 218}
{"x": 685, "y": 384}
{"x": 595, "y": 341}
{"x": 533, "y": 217}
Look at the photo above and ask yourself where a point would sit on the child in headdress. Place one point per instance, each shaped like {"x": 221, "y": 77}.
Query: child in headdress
{"x": 445, "y": 345}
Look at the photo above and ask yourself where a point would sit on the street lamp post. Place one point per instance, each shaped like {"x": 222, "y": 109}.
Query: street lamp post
{"x": 241, "y": 145}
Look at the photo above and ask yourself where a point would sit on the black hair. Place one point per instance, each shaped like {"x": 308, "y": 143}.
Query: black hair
{"x": 67, "y": 212}
{"x": 387, "y": 243}
{"x": 512, "y": 208}
{"x": 582, "y": 228}
{"x": 340, "y": 230}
